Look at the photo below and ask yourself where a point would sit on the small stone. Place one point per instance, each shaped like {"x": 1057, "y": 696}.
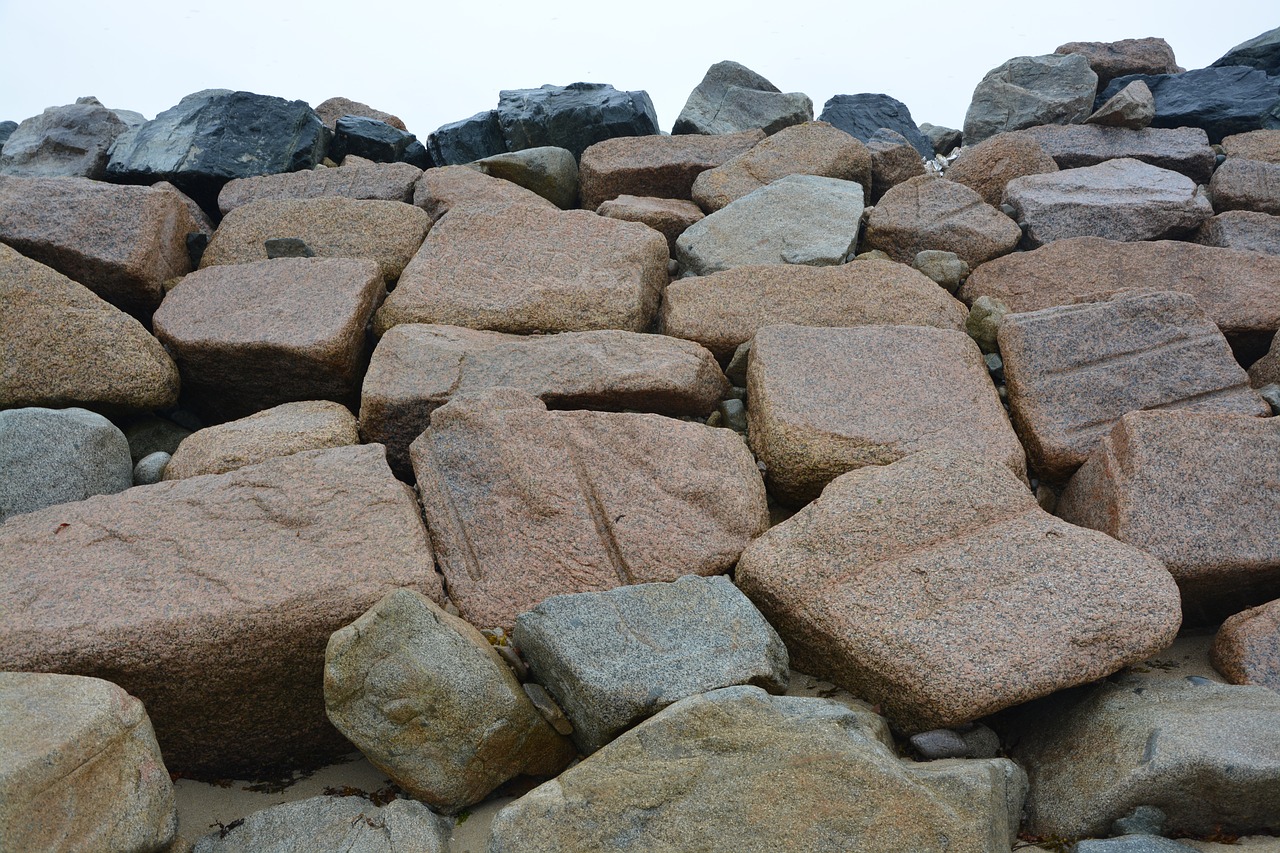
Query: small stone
{"x": 946, "y": 268}
{"x": 872, "y": 255}
{"x": 1143, "y": 820}
{"x": 983, "y": 323}
{"x": 548, "y": 171}
{"x": 1246, "y": 649}
{"x": 1132, "y": 107}
{"x": 547, "y": 707}
{"x": 1271, "y": 393}
{"x": 151, "y": 433}
{"x": 150, "y": 468}
{"x": 287, "y": 247}
{"x": 995, "y": 365}
{"x": 733, "y": 414}
{"x": 944, "y": 139}
{"x": 736, "y": 372}
{"x": 982, "y": 741}
{"x": 939, "y": 743}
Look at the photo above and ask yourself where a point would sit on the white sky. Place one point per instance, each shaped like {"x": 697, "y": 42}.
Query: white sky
{"x": 434, "y": 63}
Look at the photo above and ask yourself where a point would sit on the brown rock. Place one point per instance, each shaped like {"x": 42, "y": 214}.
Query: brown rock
{"x": 63, "y": 346}
{"x": 812, "y": 148}
{"x": 668, "y": 216}
{"x": 1112, "y": 59}
{"x": 1133, "y": 107}
{"x": 388, "y": 232}
{"x": 525, "y": 269}
{"x": 1246, "y": 649}
{"x": 524, "y": 503}
{"x": 335, "y": 108}
{"x": 938, "y": 588}
{"x": 1266, "y": 370}
{"x": 1245, "y": 230}
{"x": 211, "y": 599}
{"x": 441, "y": 190}
{"x": 893, "y": 160}
{"x": 1260, "y": 145}
{"x": 658, "y": 166}
{"x": 199, "y": 218}
{"x": 374, "y": 181}
{"x": 251, "y": 336}
{"x": 1246, "y": 185}
{"x": 1073, "y": 370}
{"x": 826, "y": 401}
{"x": 725, "y": 309}
{"x": 417, "y": 368}
{"x": 986, "y": 167}
{"x": 122, "y": 243}
{"x": 1183, "y": 149}
{"x": 934, "y": 213}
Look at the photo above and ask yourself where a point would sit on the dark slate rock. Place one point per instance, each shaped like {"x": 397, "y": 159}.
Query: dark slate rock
{"x": 1223, "y": 100}
{"x": 6, "y": 130}
{"x": 732, "y": 98}
{"x": 369, "y": 138}
{"x": 861, "y": 116}
{"x": 1261, "y": 52}
{"x": 416, "y": 154}
{"x": 465, "y": 141}
{"x": 944, "y": 139}
{"x": 287, "y": 247}
{"x": 573, "y": 117}
{"x": 66, "y": 141}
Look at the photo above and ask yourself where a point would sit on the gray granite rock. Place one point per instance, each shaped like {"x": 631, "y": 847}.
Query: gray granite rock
{"x": 1030, "y": 90}
{"x": 946, "y": 268}
{"x": 944, "y": 139}
{"x": 1132, "y": 844}
{"x": 733, "y": 98}
{"x": 150, "y": 468}
{"x": 71, "y": 140}
{"x": 549, "y": 171}
{"x": 1180, "y": 149}
{"x": 330, "y": 824}
{"x": 152, "y": 433}
{"x": 1133, "y": 107}
{"x": 1242, "y": 229}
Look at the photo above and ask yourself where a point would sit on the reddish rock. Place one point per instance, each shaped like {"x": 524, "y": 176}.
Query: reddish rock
{"x": 668, "y": 216}
{"x": 440, "y": 190}
{"x": 934, "y": 213}
{"x": 211, "y": 599}
{"x": 524, "y": 504}
{"x": 1260, "y": 145}
{"x": 826, "y": 401}
{"x": 375, "y": 181}
{"x": 1183, "y": 149}
{"x": 1246, "y": 185}
{"x": 1073, "y": 370}
{"x": 1112, "y": 59}
{"x": 937, "y": 588}
{"x": 986, "y": 167}
{"x": 658, "y": 166}
{"x": 335, "y": 108}
{"x": 893, "y": 160}
{"x": 1245, "y": 230}
{"x": 1246, "y": 649}
{"x": 247, "y": 337}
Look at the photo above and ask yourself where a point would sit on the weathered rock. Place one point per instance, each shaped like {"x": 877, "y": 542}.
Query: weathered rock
{"x": 893, "y": 161}
{"x": 70, "y": 141}
{"x": 983, "y": 325}
{"x": 1124, "y": 199}
{"x": 1183, "y": 149}
{"x": 418, "y": 368}
{"x": 1073, "y": 370}
{"x": 63, "y": 346}
{"x": 548, "y": 171}
{"x": 826, "y": 401}
{"x": 1246, "y": 185}
{"x": 732, "y": 98}
{"x": 1261, "y": 52}
{"x": 670, "y": 217}
{"x": 467, "y": 140}
{"x": 943, "y": 139}
{"x": 1031, "y": 90}
{"x": 725, "y": 309}
{"x": 526, "y": 269}
{"x": 1263, "y": 145}
{"x": 1242, "y": 230}
{"x": 211, "y": 599}
{"x": 369, "y": 139}
{"x": 657, "y": 166}
{"x": 934, "y": 213}
{"x": 1133, "y": 107}
{"x": 1132, "y": 844}
{"x": 1127, "y": 56}
{"x": 79, "y": 768}
{"x": 937, "y": 587}
{"x": 441, "y": 190}
{"x": 861, "y": 116}
{"x": 573, "y": 117}
{"x": 945, "y": 268}
{"x": 431, "y": 704}
{"x": 577, "y": 501}
{"x": 799, "y": 219}
{"x": 333, "y": 825}
{"x": 375, "y": 181}
{"x": 988, "y": 166}
{"x": 151, "y": 434}
{"x": 1215, "y": 531}
{"x": 705, "y": 774}
{"x": 6, "y": 130}
{"x": 612, "y": 659}
{"x": 1222, "y": 101}
{"x": 335, "y": 108}
{"x": 1246, "y": 649}
{"x": 1266, "y": 370}
{"x": 150, "y": 468}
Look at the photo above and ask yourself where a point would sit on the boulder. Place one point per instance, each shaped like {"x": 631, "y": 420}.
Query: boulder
{"x": 944, "y": 268}
{"x": 1221, "y": 101}
{"x": 732, "y": 98}
{"x": 68, "y": 141}
{"x": 1242, "y": 230}
{"x": 369, "y": 139}
{"x": 1263, "y": 145}
{"x": 988, "y": 166}
{"x": 740, "y": 770}
{"x": 151, "y": 434}
{"x": 1127, "y": 56}
{"x": 1261, "y": 52}
{"x": 211, "y": 599}
{"x": 934, "y": 213}
{"x": 374, "y": 181}
{"x": 335, "y": 824}
{"x": 826, "y": 401}
{"x": 670, "y": 217}
{"x": 1182, "y": 149}
{"x": 658, "y": 166}
{"x": 1246, "y": 649}
{"x": 574, "y": 117}
{"x": 6, "y": 130}
{"x": 1133, "y": 107}
{"x": 577, "y": 501}
{"x": 467, "y": 140}
{"x": 79, "y": 768}
{"x": 1031, "y": 90}
{"x": 893, "y": 161}
{"x": 441, "y": 190}
{"x": 548, "y": 171}
{"x": 862, "y": 115}
{"x": 1246, "y": 185}
{"x": 335, "y": 108}
{"x": 943, "y": 139}
{"x": 1266, "y": 370}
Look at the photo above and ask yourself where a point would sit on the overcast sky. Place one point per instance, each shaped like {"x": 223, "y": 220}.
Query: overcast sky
{"x": 434, "y": 63}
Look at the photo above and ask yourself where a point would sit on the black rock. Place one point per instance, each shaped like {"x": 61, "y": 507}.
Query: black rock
{"x": 1261, "y": 52}
{"x": 468, "y": 140}
{"x": 575, "y": 117}
{"x": 1222, "y": 100}
{"x": 287, "y": 247}
{"x": 416, "y": 154}
{"x": 368, "y": 138}
{"x": 944, "y": 139}
{"x": 6, "y": 130}
{"x": 861, "y": 116}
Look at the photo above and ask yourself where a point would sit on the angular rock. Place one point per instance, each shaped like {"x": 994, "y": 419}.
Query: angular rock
{"x": 1266, "y": 370}
{"x": 670, "y": 217}
{"x": 370, "y": 139}
{"x": 335, "y": 108}
{"x": 657, "y": 166}
{"x": 705, "y": 774}
{"x": 943, "y": 139}
{"x": 799, "y": 219}
{"x": 418, "y": 368}
{"x": 1246, "y": 185}
{"x": 933, "y": 213}
{"x": 431, "y": 704}
{"x": 150, "y": 469}
{"x": 68, "y": 141}
{"x": 1215, "y": 531}
{"x": 1127, "y": 56}
{"x": 211, "y": 599}
{"x": 6, "y": 130}
{"x": 467, "y": 140}
{"x": 1242, "y": 230}
{"x": 1261, "y": 52}
{"x": 574, "y": 117}
{"x": 375, "y": 181}
{"x": 1124, "y": 199}
{"x": 1182, "y": 149}
{"x": 725, "y": 309}
{"x": 333, "y": 825}
{"x": 441, "y": 190}
{"x": 1073, "y": 370}
{"x": 1221, "y": 101}
{"x": 732, "y": 98}
{"x": 988, "y": 166}
{"x": 826, "y": 401}
{"x": 1246, "y": 649}
{"x": 526, "y": 269}
{"x": 1132, "y": 844}
{"x": 862, "y": 115}
{"x": 1263, "y": 145}
{"x": 548, "y": 171}
{"x": 612, "y": 659}
{"x": 893, "y": 161}
{"x": 1031, "y": 90}
{"x": 945, "y": 268}
{"x": 79, "y": 768}
{"x": 1133, "y": 107}
{"x": 577, "y": 501}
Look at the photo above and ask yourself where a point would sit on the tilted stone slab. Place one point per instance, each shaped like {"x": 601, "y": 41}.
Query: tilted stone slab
{"x": 1183, "y": 149}
{"x": 1110, "y": 59}
{"x": 732, "y": 98}
{"x": 1246, "y": 649}
{"x": 937, "y": 587}
{"x": 986, "y": 168}
{"x": 376, "y": 181}
{"x": 926, "y": 212}
{"x": 1246, "y": 185}
{"x": 441, "y": 190}
{"x": 670, "y": 217}
{"x": 656, "y": 166}
{"x": 1242, "y": 229}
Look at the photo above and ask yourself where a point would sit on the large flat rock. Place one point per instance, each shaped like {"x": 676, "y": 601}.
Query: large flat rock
{"x": 656, "y": 166}
{"x": 377, "y": 181}
{"x": 1181, "y": 149}
{"x": 1246, "y": 185}
{"x": 926, "y": 212}
{"x": 333, "y": 824}
{"x": 441, "y": 190}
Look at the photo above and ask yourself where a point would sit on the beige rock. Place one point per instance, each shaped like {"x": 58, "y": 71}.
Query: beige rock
{"x": 935, "y": 213}
{"x": 1246, "y": 185}
{"x": 668, "y": 216}
{"x": 374, "y": 181}
{"x": 893, "y": 160}
{"x": 656, "y": 166}
{"x": 1260, "y": 145}
{"x": 1246, "y": 649}
{"x": 988, "y": 166}
{"x": 440, "y": 190}
{"x": 1242, "y": 229}
{"x": 1112, "y": 59}
{"x": 335, "y": 108}
{"x": 1133, "y": 107}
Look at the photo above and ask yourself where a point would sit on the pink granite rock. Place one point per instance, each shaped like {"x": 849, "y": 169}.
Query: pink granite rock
{"x": 668, "y": 216}
{"x": 335, "y": 108}
{"x": 1266, "y": 370}
{"x": 657, "y": 166}
{"x": 988, "y": 166}
{"x": 1242, "y": 229}
{"x": 1261, "y": 145}
{"x": 440, "y": 190}
{"x": 376, "y": 181}
{"x": 933, "y": 213}
{"x": 1179, "y": 149}
{"x": 894, "y": 160}
{"x": 1246, "y": 649}
{"x": 1111, "y": 59}
{"x": 1246, "y": 185}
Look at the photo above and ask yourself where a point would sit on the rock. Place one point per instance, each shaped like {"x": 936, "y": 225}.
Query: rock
{"x": 799, "y": 219}
{"x": 1031, "y": 90}
{"x": 215, "y": 135}
{"x": 1214, "y": 531}
{"x": 861, "y": 116}
{"x": 827, "y": 401}
{"x": 335, "y": 108}
{"x": 72, "y": 140}
{"x": 724, "y": 310}
{"x": 612, "y": 659}
{"x": 922, "y": 584}
{"x": 388, "y": 232}
{"x": 441, "y": 190}
{"x": 577, "y": 501}
{"x": 6, "y": 130}
{"x": 548, "y": 171}
{"x": 1124, "y": 199}
{"x": 122, "y": 243}
{"x": 151, "y": 434}
{"x": 943, "y": 139}
{"x": 945, "y": 268}
{"x": 1132, "y": 844}
{"x": 280, "y": 431}
{"x": 1073, "y": 370}
{"x": 1206, "y": 754}
{"x": 79, "y": 768}
{"x": 933, "y": 213}
{"x": 432, "y": 705}
{"x": 657, "y": 166}
{"x": 150, "y": 468}
{"x": 987, "y": 167}
{"x": 1246, "y": 649}
{"x": 250, "y": 336}
{"x": 1133, "y": 107}
{"x": 468, "y": 140}
{"x": 1222, "y": 101}
{"x": 1263, "y": 145}
{"x": 1246, "y": 185}
{"x": 1184, "y": 149}
{"x": 476, "y": 267}
{"x": 1271, "y": 393}
{"x": 63, "y": 346}
{"x": 1127, "y": 56}
{"x": 370, "y": 139}
{"x": 732, "y": 98}
{"x": 211, "y": 598}
{"x": 1266, "y": 370}
{"x": 893, "y": 161}
{"x": 983, "y": 325}
{"x": 333, "y": 825}
{"x": 418, "y": 368}
{"x": 704, "y": 775}
{"x": 670, "y": 217}
{"x": 1143, "y": 820}
{"x": 287, "y": 247}
{"x": 574, "y": 117}
{"x": 812, "y": 148}
{"x": 939, "y": 743}
{"x": 1261, "y": 52}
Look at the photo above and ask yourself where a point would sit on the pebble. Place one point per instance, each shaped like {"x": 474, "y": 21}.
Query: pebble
{"x": 733, "y": 414}
{"x": 150, "y": 468}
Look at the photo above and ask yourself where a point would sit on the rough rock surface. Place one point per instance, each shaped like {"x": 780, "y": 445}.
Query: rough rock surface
{"x": 335, "y": 108}
{"x": 893, "y": 161}
{"x": 1266, "y": 370}
{"x": 861, "y": 116}
{"x": 657, "y": 166}
{"x": 1243, "y": 230}
{"x": 1133, "y": 108}
{"x": 441, "y": 190}
{"x": 934, "y": 213}
{"x": 988, "y": 166}
{"x": 1246, "y": 649}
{"x": 732, "y": 98}
{"x": 1246, "y": 185}
{"x": 1222, "y": 101}
{"x": 549, "y": 171}
{"x": 1128, "y": 56}
{"x": 574, "y": 117}
{"x": 1182, "y": 149}
{"x": 670, "y": 217}
{"x": 333, "y": 825}
{"x": 1261, "y": 51}
{"x": 370, "y": 139}
{"x": 67, "y": 141}
{"x": 1262, "y": 145}
{"x": 1030, "y": 90}
{"x": 468, "y": 140}
{"x": 372, "y": 181}
{"x": 577, "y": 501}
